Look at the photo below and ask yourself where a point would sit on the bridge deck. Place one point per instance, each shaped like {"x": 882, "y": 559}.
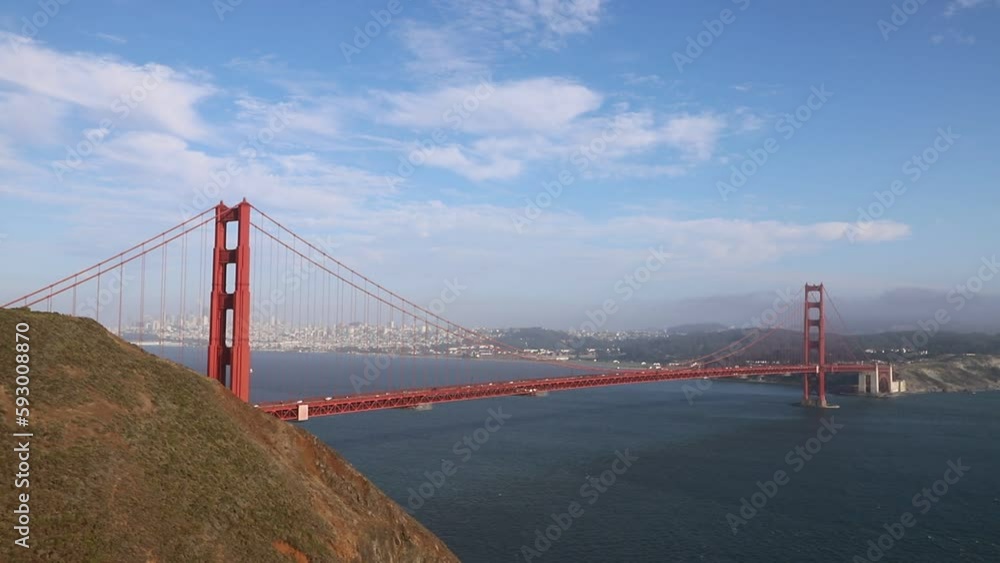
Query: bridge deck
{"x": 416, "y": 397}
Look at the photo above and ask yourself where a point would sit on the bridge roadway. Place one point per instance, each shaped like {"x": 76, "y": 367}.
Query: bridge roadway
{"x": 410, "y": 398}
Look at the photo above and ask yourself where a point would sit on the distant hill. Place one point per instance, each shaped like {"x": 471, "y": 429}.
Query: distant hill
{"x": 529, "y": 338}
{"x": 684, "y": 343}
{"x": 135, "y": 458}
{"x": 694, "y": 328}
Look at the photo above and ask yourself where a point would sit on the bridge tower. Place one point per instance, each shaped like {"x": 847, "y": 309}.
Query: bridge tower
{"x": 814, "y": 344}
{"x": 221, "y": 354}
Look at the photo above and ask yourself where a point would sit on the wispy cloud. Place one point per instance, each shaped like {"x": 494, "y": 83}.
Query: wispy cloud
{"x": 441, "y": 52}
{"x": 116, "y": 39}
{"x": 632, "y": 79}
{"x": 473, "y": 34}
{"x": 956, "y": 35}
{"x": 94, "y": 83}
{"x": 764, "y": 88}
{"x": 694, "y": 135}
{"x": 538, "y": 104}
{"x": 525, "y": 23}
{"x": 551, "y": 119}
{"x": 956, "y": 6}
{"x": 525, "y": 130}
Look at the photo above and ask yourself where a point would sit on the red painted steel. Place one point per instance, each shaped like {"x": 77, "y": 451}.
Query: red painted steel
{"x": 221, "y": 355}
{"x": 814, "y": 342}
{"x": 416, "y": 397}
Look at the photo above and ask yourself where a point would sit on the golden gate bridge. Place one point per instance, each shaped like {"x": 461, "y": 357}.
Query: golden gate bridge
{"x": 258, "y": 285}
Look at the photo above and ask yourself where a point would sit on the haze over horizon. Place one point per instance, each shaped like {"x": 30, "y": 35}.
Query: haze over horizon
{"x": 530, "y": 153}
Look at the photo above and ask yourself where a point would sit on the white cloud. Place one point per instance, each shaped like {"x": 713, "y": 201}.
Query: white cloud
{"x": 568, "y": 17}
{"x": 306, "y": 118}
{"x": 874, "y": 231}
{"x": 531, "y": 120}
{"x": 694, "y": 135}
{"x": 147, "y": 177}
{"x": 956, "y": 6}
{"x": 154, "y": 165}
{"x": 163, "y": 171}
{"x": 473, "y": 167}
{"x": 298, "y": 181}
{"x": 16, "y": 168}
{"x": 435, "y": 233}
{"x": 484, "y": 235}
{"x": 105, "y": 86}
{"x": 32, "y": 119}
{"x": 440, "y": 52}
{"x": 748, "y": 120}
{"x": 707, "y": 241}
{"x": 546, "y": 104}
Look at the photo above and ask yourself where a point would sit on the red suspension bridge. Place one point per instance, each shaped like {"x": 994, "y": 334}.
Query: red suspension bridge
{"x": 193, "y": 286}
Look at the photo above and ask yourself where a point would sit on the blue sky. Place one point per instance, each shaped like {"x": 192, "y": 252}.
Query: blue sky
{"x": 492, "y": 100}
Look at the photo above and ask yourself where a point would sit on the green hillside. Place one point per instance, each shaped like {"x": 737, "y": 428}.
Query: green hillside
{"x": 135, "y": 458}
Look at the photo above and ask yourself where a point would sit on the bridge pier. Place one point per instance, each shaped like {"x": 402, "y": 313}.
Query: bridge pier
{"x": 870, "y": 383}
{"x": 821, "y": 388}
{"x": 819, "y": 400}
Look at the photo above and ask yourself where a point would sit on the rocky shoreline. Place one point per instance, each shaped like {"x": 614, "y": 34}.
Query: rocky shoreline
{"x": 951, "y": 374}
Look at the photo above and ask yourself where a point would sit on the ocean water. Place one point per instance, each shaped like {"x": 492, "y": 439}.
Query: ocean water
{"x": 675, "y": 471}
